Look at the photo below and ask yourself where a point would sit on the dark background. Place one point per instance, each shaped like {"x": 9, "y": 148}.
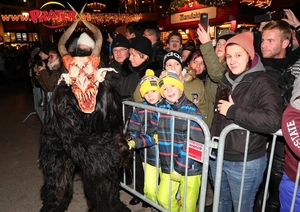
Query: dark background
{"x": 111, "y": 5}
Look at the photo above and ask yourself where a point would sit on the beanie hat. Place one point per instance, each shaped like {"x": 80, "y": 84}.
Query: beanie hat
{"x": 227, "y": 32}
{"x": 120, "y": 41}
{"x": 85, "y": 39}
{"x": 169, "y": 78}
{"x": 142, "y": 44}
{"x": 46, "y": 47}
{"x": 244, "y": 40}
{"x": 225, "y": 37}
{"x": 148, "y": 82}
{"x": 172, "y": 55}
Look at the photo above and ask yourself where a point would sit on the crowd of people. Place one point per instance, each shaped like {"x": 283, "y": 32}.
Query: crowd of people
{"x": 247, "y": 78}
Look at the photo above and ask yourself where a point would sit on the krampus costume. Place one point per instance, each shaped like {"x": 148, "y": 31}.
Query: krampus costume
{"x": 83, "y": 132}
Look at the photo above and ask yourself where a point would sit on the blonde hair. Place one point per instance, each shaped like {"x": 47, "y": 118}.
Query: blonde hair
{"x": 190, "y": 75}
{"x": 139, "y": 53}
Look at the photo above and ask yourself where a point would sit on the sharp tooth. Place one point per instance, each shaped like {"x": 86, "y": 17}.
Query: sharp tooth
{"x": 84, "y": 97}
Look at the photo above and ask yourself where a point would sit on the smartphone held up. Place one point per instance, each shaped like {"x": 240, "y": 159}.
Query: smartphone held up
{"x": 204, "y": 21}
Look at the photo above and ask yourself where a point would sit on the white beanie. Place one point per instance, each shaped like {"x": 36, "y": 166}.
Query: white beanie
{"x": 85, "y": 39}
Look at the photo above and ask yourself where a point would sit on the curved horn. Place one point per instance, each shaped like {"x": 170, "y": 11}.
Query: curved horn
{"x": 63, "y": 39}
{"x": 98, "y": 37}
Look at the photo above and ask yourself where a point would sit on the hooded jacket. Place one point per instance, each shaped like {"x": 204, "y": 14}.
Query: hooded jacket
{"x": 142, "y": 133}
{"x": 257, "y": 108}
{"x": 180, "y": 140}
{"x": 291, "y": 130}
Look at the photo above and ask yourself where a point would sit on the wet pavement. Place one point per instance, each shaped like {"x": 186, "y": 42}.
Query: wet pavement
{"x": 20, "y": 176}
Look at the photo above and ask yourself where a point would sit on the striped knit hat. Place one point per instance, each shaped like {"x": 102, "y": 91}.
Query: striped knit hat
{"x": 148, "y": 82}
{"x": 244, "y": 40}
{"x": 169, "y": 78}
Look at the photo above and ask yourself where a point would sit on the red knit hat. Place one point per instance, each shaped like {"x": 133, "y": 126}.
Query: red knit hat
{"x": 290, "y": 126}
{"x": 245, "y": 40}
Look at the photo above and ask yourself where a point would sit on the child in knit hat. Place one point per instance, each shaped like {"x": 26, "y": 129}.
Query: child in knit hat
{"x": 144, "y": 135}
{"x": 193, "y": 87}
{"x": 171, "y": 88}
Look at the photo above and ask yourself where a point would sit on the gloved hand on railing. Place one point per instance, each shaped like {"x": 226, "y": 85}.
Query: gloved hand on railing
{"x": 131, "y": 144}
{"x": 175, "y": 176}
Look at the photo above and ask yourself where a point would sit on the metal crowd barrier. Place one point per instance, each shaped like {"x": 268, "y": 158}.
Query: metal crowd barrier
{"x": 208, "y": 144}
{"x": 38, "y": 95}
{"x": 217, "y": 182}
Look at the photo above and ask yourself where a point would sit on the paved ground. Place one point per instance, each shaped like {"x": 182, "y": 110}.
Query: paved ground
{"x": 20, "y": 177}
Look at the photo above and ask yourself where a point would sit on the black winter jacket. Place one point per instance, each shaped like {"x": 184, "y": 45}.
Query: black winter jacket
{"x": 257, "y": 108}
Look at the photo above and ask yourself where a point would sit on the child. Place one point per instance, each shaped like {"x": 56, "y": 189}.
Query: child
{"x": 171, "y": 88}
{"x": 143, "y": 134}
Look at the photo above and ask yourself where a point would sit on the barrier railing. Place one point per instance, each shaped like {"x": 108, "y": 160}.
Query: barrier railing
{"x": 217, "y": 183}
{"x": 38, "y": 95}
{"x": 208, "y": 145}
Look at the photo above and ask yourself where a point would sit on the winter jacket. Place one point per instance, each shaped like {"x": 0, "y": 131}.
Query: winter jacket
{"x": 291, "y": 149}
{"x": 257, "y": 108}
{"x": 195, "y": 92}
{"x": 290, "y": 130}
{"x": 125, "y": 79}
{"x": 215, "y": 72}
{"x": 158, "y": 53}
{"x": 142, "y": 133}
{"x": 180, "y": 138}
{"x": 49, "y": 79}
{"x": 284, "y": 70}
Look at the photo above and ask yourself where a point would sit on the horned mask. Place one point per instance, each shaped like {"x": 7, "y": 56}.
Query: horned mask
{"x": 83, "y": 74}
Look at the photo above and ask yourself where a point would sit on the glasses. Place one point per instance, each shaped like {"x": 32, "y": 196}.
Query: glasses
{"x": 119, "y": 50}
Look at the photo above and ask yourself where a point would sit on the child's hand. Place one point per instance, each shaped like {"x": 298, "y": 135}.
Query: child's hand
{"x": 131, "y": 144}
{"x": 175, "y": 176}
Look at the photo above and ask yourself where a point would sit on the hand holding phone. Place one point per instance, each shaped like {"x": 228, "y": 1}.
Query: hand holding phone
{"x": 204, "y": 21}
{"x": 223, "y": 94}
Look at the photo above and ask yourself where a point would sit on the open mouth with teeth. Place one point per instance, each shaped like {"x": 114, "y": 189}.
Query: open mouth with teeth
{"x": 86, "y": 99}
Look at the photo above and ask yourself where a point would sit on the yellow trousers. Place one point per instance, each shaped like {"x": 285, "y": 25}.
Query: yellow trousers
{"x": 192, "y": 193}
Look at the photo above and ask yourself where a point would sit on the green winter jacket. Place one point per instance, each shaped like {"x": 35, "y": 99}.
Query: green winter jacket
{"x": 215, "y": 72}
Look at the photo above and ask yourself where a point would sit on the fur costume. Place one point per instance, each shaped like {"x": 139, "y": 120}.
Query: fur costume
{"x": 83, "y": 132}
